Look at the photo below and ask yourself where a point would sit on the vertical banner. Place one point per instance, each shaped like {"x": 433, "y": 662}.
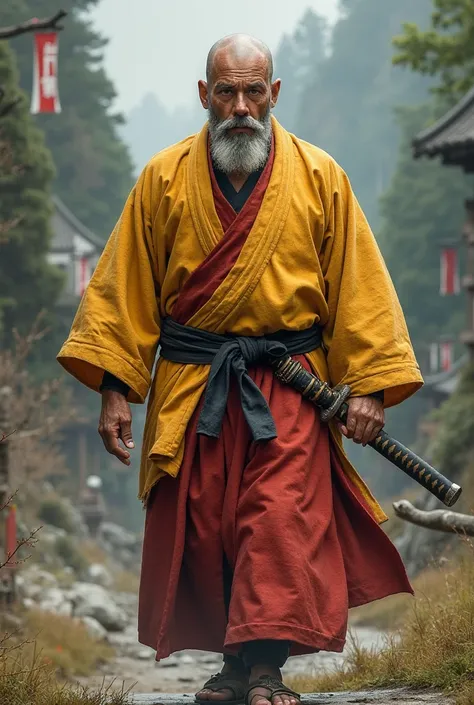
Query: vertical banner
{"x": 83, "y": 275}
{"x": 45, "y": 95}
{"x": 434, "y": 357}
{"x": 446, "y": 355}
{"x": 449, "y": 281}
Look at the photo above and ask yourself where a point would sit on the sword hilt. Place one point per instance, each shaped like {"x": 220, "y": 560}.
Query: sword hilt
{"x": 332, "y": 402}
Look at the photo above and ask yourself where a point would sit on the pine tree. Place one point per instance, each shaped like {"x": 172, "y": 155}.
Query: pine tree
{"x": 445, "y": 50}
{"x": 94, "y": 171}
{"x": 296, "y": 62}
{"x": 27, "y": 282}
{"x": 348, "y": 104}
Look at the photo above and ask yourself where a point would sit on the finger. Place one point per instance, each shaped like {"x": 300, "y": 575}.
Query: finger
{"x": 342, "y": 428}
{"x": 368, "y": 434}
{"x": 113, "y": 447}
{"x": 351, "y": 424}
{"x": 359, "y": 431}
{"x": 126, "y": 433}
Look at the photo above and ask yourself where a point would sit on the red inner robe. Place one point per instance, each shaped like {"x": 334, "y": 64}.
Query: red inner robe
{"x": 301, "y": 541}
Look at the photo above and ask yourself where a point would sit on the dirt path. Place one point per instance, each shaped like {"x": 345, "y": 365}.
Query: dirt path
{"x": 386, "y": 697}
{"x": 163, "y": 683}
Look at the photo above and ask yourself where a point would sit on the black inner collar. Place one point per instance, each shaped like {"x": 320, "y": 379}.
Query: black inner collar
{"x": 237, "y": 199}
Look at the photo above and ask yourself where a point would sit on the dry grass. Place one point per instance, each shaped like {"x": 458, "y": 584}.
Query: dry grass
{"x": 65, "y": 644}
{"x": 433, "y": 648}
{"x": 126, "y": 581}
{"x": 38, "y": 661}
{"x": 92, "y": 552}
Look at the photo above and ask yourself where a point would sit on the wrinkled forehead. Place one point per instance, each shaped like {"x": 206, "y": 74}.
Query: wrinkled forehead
{"x": 239, "y": 62}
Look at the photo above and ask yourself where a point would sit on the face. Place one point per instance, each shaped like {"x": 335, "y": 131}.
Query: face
{"x": 238, "y": 101}
{"x": 240, "y": 87}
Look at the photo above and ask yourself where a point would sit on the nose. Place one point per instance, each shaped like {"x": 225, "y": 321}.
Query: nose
{"x": 240, "y": 106}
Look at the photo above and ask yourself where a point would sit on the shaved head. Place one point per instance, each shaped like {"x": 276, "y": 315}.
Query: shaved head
{"x": 239, "y": 46}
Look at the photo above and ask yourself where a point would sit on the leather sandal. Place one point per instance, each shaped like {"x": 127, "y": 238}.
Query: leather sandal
{"x": 273, "y": 685}
{"x": 222, "y": 681}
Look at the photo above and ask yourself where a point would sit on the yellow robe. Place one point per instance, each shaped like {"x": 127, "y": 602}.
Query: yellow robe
{"x": 309, "y": 257}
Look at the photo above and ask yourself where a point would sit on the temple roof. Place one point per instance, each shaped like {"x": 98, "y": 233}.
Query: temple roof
{"x": 444, "y": 383}
{"x": 451, "y": 137}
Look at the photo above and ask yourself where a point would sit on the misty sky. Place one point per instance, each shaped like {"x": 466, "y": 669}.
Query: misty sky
{"x": 161, "y": 45}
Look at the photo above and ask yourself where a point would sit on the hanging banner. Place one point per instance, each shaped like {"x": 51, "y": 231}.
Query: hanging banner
{"x": 45, "y": 96}
{"x": 449, "y": 283}
{"x": 434, "y": 357}
{"x": 446, "y": 355}
{"x": 83, "y": 275}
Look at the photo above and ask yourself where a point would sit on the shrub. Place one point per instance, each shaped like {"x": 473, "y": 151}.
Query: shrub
{"x": 67, "y": 550}
{"x": 54, "y": 512}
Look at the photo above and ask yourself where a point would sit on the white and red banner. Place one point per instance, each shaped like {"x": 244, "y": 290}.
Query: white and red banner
{"x": 83, "y": 275}
{"x": 45, "y": 96}
{"x": 446, "y": 355}
{"x": 449, "y": 280}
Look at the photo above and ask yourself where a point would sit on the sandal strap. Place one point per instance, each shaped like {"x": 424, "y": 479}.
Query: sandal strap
{"x": 221, "y": 681}
{"x": 274, "y": 685}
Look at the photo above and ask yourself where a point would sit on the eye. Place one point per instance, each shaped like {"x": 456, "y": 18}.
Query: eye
{"x": 254, "y": 91}
{"x": 225, "y": 91}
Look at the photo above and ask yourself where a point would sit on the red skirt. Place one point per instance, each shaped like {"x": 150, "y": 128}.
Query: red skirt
{"x": 301, "y": 541}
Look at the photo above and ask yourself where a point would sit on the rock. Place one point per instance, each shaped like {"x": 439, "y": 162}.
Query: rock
{"x": 145, "y": 654}
{"x": 28, "y": 603}
{"x": 99, "y": 575}
{"x": 91, "y": 600}
{"x": 54, "y": 600}
{"x": 94, "y": 628}
{"x": 117, "y": 536}
{"x": 186, "y": 659}
{"x": 34, "y": 581}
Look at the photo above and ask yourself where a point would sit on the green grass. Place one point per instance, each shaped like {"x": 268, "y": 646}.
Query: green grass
{"x": 434, "y": 647}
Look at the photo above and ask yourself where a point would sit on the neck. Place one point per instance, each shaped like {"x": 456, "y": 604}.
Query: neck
{"x": 237, "y": 179}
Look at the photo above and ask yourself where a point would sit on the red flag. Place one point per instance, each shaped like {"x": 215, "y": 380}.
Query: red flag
{"x": 449, "y": 283}
{"x": 45, "y": 96}
{"x": 83, "y": 275}
{"x": 446, "y": 355}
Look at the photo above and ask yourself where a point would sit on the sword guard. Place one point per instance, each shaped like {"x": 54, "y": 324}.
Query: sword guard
{"x": 341, "y": 393}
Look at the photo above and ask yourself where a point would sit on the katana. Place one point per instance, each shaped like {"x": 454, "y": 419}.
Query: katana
{"x": 332, "y": 402}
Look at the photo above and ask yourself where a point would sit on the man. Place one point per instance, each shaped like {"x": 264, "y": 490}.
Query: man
{"x": 235, "y": 245}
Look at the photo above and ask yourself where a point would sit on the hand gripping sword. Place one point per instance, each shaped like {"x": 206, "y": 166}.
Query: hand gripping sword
{"x": 332, "y": 403}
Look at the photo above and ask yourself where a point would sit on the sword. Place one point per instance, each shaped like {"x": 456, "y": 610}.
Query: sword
{"x": 332, "y": 402}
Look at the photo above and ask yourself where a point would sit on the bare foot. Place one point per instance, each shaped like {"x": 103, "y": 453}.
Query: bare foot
{"x": 225, "y": 694}
{"x": 261, "y": 695}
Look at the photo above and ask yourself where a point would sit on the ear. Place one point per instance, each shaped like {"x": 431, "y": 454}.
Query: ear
{"x": 203, "y": 94}
{"x": 275, "y": 92}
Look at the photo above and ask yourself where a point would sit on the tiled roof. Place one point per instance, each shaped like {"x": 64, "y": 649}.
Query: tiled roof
{"x": 452, "y": 136}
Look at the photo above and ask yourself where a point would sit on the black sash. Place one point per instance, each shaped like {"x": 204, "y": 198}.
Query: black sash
{"x": 233, "y": 354}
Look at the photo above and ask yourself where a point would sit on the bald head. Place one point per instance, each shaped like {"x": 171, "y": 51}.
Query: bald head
{"x": 238, "y": 48}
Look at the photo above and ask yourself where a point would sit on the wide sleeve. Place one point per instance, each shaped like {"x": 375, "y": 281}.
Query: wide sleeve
{"x": 366, "y": 337}
{"x": 117, "y": 325}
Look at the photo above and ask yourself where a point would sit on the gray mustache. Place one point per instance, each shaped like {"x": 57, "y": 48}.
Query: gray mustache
{"x": 236, "y": 122}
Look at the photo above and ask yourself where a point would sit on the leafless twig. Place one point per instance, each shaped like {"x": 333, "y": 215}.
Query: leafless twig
{"x": 33, "y": 25}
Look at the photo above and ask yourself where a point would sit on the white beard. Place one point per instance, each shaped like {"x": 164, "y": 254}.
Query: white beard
{"x": 240, "y": 153}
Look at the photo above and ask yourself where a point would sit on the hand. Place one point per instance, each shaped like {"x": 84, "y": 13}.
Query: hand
{"x": 365, "y": 419}
{"x": 116, "y": 424}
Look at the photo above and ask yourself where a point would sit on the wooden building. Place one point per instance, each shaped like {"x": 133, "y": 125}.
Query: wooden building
{"x": 451, "y": 139}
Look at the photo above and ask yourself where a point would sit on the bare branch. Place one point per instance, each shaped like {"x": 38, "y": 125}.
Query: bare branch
{"x": 439, "y": 520}
{"x": 33, "y": 26}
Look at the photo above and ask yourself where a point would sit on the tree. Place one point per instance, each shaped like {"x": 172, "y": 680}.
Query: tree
{"x": 348, "y": 102}
{"x": 27, "y": 282}
{"x": 445, "y": 50}
{"x": 297, "y": 61}
{"x": 94, "y": 171}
